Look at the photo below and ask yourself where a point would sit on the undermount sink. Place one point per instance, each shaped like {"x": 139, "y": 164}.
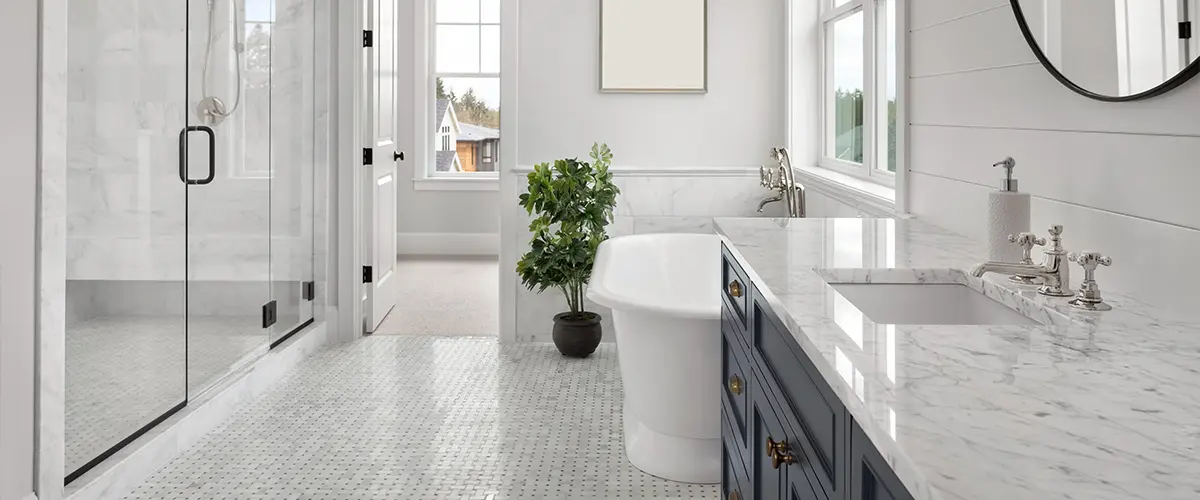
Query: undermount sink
{"x": 928, "y": 304}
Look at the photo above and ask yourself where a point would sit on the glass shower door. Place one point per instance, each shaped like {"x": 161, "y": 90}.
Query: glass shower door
{"x": 126, "y": 225}
{"x": 228, "y": 176}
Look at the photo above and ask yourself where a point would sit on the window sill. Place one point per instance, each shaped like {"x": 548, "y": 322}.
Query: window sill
{"x": 870, "y": 196}
{"x": 487, "y": 183}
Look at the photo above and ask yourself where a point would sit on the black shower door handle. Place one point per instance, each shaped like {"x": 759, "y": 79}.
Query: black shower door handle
{"x": 183, "y": 156}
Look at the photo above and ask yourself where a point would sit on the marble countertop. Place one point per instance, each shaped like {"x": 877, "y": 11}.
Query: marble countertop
{"x": 1092, "y": 406}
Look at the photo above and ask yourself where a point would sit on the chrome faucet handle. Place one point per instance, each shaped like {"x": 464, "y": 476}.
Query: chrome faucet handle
{"x": 1027, "y": 241}
{"x": 1056, "y": 247}
{"x": 764, "y": 176}
{"x": 1089, "y": 298}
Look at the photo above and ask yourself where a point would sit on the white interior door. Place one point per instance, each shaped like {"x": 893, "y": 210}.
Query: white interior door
{"x": 380, "y": 191}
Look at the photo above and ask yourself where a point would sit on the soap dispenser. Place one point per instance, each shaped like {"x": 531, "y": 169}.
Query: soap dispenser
{"x": 1008, "y": 213}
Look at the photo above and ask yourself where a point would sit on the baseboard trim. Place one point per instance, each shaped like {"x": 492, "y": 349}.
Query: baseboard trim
{"x": 448, "y": 244}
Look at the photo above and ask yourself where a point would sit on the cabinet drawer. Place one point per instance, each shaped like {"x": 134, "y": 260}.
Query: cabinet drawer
{"x": 735, "y": 481}
{"x": 809, "y": 406}
{"x": 735, "y": 286}
{"x": 735, "y": 385}
{"x": 731, "y": 325}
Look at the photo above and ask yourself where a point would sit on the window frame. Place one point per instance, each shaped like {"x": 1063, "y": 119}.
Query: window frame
{"x": 430, "y": 168}
{"x": 874, "y": 86}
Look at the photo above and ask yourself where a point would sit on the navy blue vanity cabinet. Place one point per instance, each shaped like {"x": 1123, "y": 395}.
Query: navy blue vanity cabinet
{"x": 786, "y": 434}
{"x": 870, "y": 476}
{"x": 805, "y": 402}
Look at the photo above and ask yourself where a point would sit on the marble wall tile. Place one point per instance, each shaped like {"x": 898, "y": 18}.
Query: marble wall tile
{"x": 133, "y": 81}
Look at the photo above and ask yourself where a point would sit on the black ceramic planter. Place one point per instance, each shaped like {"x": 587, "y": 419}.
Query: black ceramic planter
{"x": 577, "y": 336}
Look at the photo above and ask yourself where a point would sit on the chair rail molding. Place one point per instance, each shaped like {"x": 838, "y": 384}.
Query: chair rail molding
{"x": 635, "y": 171}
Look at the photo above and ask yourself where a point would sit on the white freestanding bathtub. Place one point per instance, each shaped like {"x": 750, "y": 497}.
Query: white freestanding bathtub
{"x": 663, "y": 290}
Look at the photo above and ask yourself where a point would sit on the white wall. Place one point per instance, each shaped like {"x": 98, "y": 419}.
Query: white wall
{"x": 734, "y": 124}
{"x": 474, "y": 215}
{"x": 679, "y": 159}
{"x": 18, "y": 188}
{"x": 1121, "y": 177}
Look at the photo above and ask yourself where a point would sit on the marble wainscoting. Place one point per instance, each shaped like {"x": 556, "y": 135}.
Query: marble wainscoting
{"x": 651, "y": 201}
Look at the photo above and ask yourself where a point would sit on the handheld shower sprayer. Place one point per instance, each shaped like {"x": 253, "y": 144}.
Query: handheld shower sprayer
{"x": 211, "y": 108}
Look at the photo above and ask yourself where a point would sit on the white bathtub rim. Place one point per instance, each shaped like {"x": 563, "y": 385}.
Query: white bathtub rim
{"x": 599, "y": 293}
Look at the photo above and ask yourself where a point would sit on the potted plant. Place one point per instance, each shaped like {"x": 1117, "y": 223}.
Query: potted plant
{"x": 572, "y": 202}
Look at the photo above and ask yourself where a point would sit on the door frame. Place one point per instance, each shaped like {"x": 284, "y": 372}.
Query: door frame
{"x": 349, "y": 113}
{"x": 351, "y": 99}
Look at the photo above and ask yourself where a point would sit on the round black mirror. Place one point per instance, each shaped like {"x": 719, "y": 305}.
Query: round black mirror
{"x": 1113, "y": 50}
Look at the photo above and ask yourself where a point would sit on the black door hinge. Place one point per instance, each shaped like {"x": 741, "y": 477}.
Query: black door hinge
{"x": 1185, "y": 30}
{"x": 368, "y": 156}
{"x": 368, "y": 275}
{"x": 310, "y": 290}
{"x": 368, "y": 38}
{"x": 269, "y": 314}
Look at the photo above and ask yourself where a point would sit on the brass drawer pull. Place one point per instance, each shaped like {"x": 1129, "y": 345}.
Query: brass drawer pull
{"x": 735, "y": 289}
{"x": 780, "y": 453}
{"x": 735, "y": 384}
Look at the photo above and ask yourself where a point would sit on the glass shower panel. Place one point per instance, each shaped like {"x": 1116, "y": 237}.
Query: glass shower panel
{"x": 126, "y": 224}
{"x": 229, "y": 196}
{"x": 293, "y": 97}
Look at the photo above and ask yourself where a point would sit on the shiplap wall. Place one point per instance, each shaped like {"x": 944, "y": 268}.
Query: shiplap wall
{"x": 1122, "y": 177}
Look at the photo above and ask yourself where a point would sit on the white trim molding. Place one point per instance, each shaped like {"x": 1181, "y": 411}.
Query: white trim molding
{"x": 633, "y": 171}
{"x": 511, "y": 218}
{"x": 870, "y": 197}
{"x": 448, "y": 244}
{"x": 480, "y": 183}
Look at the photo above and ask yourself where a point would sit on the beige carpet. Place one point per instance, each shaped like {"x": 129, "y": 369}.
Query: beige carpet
{"x": 450, "y": 296}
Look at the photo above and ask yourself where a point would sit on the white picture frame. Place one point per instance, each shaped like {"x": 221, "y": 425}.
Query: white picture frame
{"x": 654, "y": 46}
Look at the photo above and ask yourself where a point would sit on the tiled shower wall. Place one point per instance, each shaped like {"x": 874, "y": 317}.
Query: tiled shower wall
{"x": 131, "y": 93}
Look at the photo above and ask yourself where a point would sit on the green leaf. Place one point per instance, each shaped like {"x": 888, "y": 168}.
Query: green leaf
{"x": 572, "y": 203}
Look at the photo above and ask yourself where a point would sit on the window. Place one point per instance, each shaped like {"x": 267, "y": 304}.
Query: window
{"x": 859, "y": 94}
{"x": 465, "y": 85}
{"x": 249, "y": 153}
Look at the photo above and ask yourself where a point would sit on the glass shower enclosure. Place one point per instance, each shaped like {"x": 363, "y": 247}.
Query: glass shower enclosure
{"x": 191, "y": 132}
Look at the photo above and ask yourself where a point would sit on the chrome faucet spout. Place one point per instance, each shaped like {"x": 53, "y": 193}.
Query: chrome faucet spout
{"x": 1054, "y": 270}
{"x": 1008, "y": 268}
{"x": 767, "y": 201}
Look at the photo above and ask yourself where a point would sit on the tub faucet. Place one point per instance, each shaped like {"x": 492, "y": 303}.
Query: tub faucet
{"x": 1054, "y": 270}
{"x": 766, "y": 201}
{"x": 790, "y": 192}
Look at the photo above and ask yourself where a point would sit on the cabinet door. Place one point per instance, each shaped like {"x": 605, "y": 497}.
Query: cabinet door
{"x": 766, "y": 479}
{"x": 871, "y": 478}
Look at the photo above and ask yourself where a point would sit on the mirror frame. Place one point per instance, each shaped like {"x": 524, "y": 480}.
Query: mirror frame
{"x": 1190, "y": 71}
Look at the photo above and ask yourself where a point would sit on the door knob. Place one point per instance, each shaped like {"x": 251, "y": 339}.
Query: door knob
{"x": 398, "y": 156}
